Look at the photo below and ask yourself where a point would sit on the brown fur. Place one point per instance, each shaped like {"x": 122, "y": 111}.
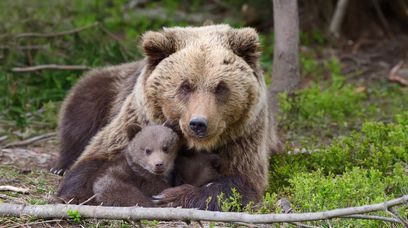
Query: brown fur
{"x": 197, "y": 168}
{"x": 103, "y": 90}
{"x": 134, "y": 176}
{"x": 212, "y": 72}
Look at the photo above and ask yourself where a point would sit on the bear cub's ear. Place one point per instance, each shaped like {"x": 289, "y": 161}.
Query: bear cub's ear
{"x": 132, "y": 130}
{"x": 245, "y": 43}
{"x": 158, "y": 46}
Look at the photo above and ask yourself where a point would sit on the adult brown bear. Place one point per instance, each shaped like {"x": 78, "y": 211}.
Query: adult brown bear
{"x": 207, "y": 80}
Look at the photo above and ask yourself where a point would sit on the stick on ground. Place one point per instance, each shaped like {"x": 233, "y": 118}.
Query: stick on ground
{"x": 138, "y": 213}
{"x": 48, "y": 67}
{"x": 31, "y": 140}
{"x": 13, "y": 189}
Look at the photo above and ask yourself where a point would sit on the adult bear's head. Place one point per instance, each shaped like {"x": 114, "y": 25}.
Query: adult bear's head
{"x": 206, "y": 78}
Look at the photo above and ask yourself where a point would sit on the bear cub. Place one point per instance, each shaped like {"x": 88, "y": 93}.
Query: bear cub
{"x": 145, "y": 169}
{"x": 142, "y": 170}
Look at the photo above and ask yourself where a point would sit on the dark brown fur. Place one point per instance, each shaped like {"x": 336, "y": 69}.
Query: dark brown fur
{"x": 80, "y": 121}
{"x": 197, "y": 168}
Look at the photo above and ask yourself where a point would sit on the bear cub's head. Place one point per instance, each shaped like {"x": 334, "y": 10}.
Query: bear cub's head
{"x": 154, "y": 148}
{"x": 198, "y": 168}
{"x": 206, "y": 78}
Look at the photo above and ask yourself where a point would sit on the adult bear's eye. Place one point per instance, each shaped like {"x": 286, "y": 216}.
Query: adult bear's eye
{"x": 221, "y": 90}
{"x": 185, "y": 88}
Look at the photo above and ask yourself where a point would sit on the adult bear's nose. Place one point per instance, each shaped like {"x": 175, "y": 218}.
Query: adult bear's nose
{"x": 199, "y": 126}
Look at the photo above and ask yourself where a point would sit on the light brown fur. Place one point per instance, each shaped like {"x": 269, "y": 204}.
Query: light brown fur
{"x": 239, "y": 127}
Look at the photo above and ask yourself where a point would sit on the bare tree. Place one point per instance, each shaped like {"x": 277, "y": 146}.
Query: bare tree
{"x": 285, "y": 74}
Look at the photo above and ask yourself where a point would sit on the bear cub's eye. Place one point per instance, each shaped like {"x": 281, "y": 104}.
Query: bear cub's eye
{"x": 221, "y": 89}
{"x": 148, "y": 151}
{"x": 165, "y": 149}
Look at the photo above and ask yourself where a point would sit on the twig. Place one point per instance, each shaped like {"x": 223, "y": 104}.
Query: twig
{"x": 49, "y": 67}
{"x": 373, "y": 217}
{"x": 36, "y": 223}
{"x": 86, "y": 201}
{"x": 393, "y": 213}
{"x": 338, "y": 17}
{"x": 31, "y": 140}
{"x": 28, "y": 47}
{"x": 138, "y": 213}
{"x": 48, "y": 35}
{"x": 394, "y": 75}
{"x": 13, "y": 189}
{"x": 3, "y": 138}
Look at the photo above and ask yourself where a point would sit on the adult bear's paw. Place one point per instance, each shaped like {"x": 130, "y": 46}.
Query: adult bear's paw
{"x": 176, "y": 196}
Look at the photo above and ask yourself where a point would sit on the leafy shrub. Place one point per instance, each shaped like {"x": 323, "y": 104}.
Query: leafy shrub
{"x": 321, "y": 105}
{"x": 318, "y": 192}
{"x": 377, "y": 145}
{"x": 366, "y": 167}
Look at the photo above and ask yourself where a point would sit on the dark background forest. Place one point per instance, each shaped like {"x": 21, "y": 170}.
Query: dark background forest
{"x": 345, "y": 128}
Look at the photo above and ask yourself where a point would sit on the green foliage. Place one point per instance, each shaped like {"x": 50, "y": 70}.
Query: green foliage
{"x": 318, "y": 192}
{"x": 267, "y": 41}
{"x": 113, "y": 41}
{"x": 74, "y": 215}
{"x": 334, "y": 103}
{"x": 231, "y": 203}
{"x": 366, "y": 167}
{"x": 312, "y": 38}
{"x": 377, "y": 145}
{"x": 150, "y": 223}
{"x": 269, "y": 204}
{"x": 35, "y": 201}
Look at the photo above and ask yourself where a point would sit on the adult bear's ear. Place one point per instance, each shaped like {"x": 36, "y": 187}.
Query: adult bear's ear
{"x": 158, "y": 46}
{"x": 245, "y": 43}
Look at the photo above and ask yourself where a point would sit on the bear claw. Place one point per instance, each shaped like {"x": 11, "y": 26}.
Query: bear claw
{"x": 56, "y": 171}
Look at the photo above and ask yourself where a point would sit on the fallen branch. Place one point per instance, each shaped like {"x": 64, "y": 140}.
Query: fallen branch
{"x": 3, "y": 138}
{"x": 63, "y": 33}
{"x": 13, "y": 189}
{"x": 138, "y": 213}
{"x": 338, "y": 17}
{"x": 373, "y": 217}
{"x": 29, "y": 47}
{"x": 49, "y": 67}
{"x": 395, "y": 76}
{"x": 31, "y": 140}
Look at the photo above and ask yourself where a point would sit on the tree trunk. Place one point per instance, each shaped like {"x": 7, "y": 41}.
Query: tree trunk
{"x": 285, "y": 74}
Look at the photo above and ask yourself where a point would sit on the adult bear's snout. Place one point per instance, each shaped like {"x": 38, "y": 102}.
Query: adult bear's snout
{"x": 198, "y": 126}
